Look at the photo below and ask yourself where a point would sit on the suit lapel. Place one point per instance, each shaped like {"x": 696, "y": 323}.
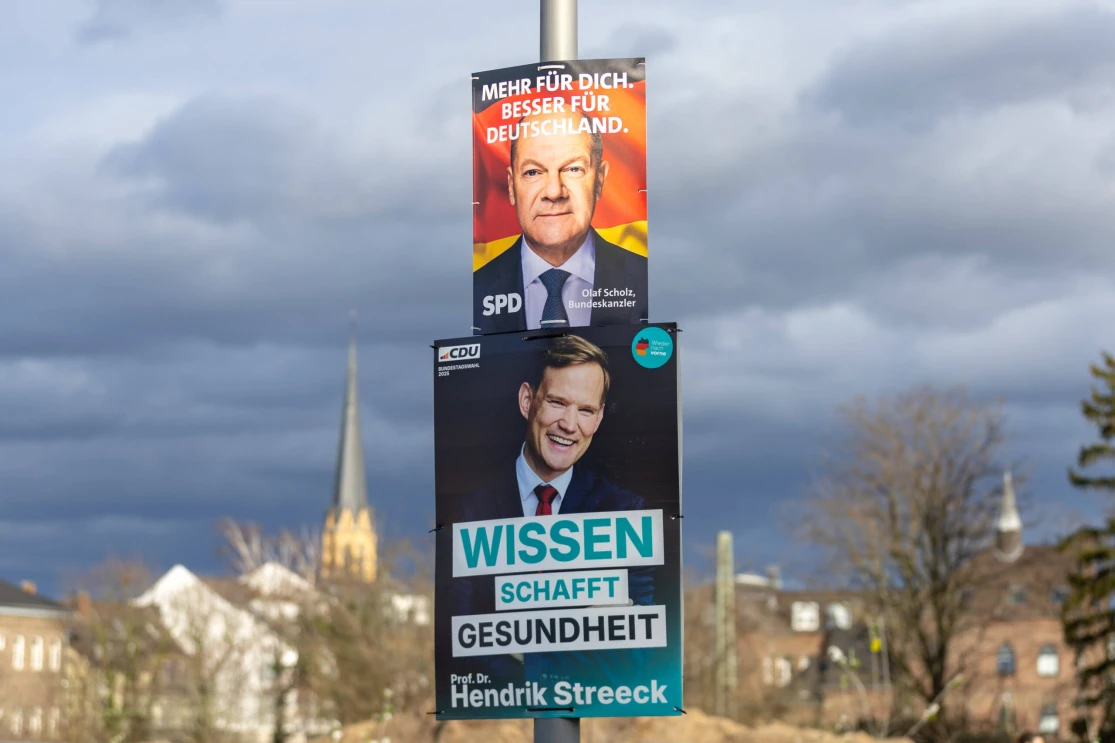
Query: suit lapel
{"x": 510, "y": 502}
{"x": 508, "y": 278}
{"x": 609, "y": 274}
{"x": 575, "y": 499}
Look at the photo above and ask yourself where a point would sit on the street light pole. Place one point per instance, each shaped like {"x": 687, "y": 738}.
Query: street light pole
{"x": 558, "y": 30}
{"x": 558, "y": 36}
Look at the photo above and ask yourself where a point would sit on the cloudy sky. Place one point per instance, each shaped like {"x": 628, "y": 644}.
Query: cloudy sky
{"x": 845, "y": 197}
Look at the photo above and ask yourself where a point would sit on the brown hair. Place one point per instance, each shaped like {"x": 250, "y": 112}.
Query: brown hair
{"x": 572, "y": 350}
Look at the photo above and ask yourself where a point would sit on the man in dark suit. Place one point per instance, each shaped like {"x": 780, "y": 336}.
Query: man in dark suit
{"x": 560, "y": 272}
{"x": 563, "y": 410}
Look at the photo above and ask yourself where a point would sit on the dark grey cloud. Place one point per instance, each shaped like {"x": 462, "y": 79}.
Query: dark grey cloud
{"x": 173, "y": 303}
{"x": 232, "y": 216}
{"x": 969, "y": 62}
{"x": 117, "y": 19}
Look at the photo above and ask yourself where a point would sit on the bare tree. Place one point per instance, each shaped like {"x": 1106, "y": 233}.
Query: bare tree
{"x": 248, "y": 547}
{"x": 368, "y": 650}
{"x": 117, "y": 651}
{"x": 903, "y": 507}
{"x": 363, "y": 650}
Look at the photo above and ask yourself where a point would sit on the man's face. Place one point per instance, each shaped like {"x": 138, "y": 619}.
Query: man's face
{"x": 553, "y": 185}
{"x": 562, "y": 416}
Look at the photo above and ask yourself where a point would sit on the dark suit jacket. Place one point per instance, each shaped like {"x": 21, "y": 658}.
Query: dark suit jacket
{"x": 616, "y": 268}
{"x": 587, "y": 493}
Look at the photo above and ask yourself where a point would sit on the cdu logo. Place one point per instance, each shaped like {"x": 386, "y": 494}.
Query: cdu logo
{"x": 458, "y": 353}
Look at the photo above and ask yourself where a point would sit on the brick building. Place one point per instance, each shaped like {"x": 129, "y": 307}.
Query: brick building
{"x": 33, "y": 637}
{"x": 1016, "y": 672}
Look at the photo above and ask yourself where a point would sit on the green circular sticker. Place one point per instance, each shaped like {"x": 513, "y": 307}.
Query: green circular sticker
{"x": 652, "y": 347}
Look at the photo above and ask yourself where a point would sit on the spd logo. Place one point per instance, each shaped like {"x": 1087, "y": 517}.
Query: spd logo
{"x": 495, "y": 304}
{"x": 458, "y": 353}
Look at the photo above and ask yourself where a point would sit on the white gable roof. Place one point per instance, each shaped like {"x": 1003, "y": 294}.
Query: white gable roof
{"x": 272, "y": 578}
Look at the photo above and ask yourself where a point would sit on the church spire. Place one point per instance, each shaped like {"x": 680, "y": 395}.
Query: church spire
{"x": 1008, "y": 529}
{"x": 348, "y": 541}
{"x": 350, "y": 491}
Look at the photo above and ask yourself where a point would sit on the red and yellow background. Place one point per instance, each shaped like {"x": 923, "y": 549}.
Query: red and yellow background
{"x": 621, "y": 211}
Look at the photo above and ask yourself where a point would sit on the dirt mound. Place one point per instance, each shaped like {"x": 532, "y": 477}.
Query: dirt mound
{"x": 694, "y": 727}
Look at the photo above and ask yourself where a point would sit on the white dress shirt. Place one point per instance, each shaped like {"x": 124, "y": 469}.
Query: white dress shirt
{"x": 528, "y": 481}
{"x": 582, "y": 269}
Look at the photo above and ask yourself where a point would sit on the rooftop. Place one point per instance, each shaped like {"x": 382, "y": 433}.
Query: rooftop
{"x": 14, "y": 599}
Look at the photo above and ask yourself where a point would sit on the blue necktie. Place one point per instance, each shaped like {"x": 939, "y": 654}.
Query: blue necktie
{"x": 553, "y": 313}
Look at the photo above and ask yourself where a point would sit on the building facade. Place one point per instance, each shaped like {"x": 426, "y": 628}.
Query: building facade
{"x": 821, "y": 657}
{"x": 33, "y": 638}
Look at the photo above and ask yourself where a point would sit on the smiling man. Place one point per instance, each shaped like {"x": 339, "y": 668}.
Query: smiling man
{"x": 560, "y": 272}
{"x": 563, "y": 401}
{"x": 563, "y": 409}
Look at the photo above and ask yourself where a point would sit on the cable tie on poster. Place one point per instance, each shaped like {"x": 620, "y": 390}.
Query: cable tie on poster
{"x": 438, "y": 711}
{"x": 550, "y": 709}
{"x": 674, "y": 517}
{"x": 541, "y": 337}
{"x": 476, "y": 203}
{"x": 439, "y": 527}
{"x": 642, "y": 190}
{"x": 551, "y": 67}
{"x": 679, "y": 709}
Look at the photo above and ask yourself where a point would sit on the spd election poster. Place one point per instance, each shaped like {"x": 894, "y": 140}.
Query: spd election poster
{"x": 559, "y": 195}
{"x": 558, "y": 589}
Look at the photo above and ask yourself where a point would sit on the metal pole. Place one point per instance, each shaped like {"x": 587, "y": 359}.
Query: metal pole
{"x": 558, "y": 27}
{"x": 559, "y": 30}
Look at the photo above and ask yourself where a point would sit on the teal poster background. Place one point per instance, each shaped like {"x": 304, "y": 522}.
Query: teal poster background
{"x": 630, "y": 465}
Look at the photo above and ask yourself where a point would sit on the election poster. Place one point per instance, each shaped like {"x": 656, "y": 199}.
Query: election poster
{"x": 557, "y": 475}
{"x": 559, "y": 195}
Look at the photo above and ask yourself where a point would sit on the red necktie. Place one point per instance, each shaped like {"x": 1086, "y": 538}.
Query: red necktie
{"x": 546, "y": 495}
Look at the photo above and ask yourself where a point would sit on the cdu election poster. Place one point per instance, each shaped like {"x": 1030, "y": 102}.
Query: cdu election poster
{"x": 559, "y": 229}
{"x": 557, "y": 469}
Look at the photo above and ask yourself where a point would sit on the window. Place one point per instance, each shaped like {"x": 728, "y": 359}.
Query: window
{"x": 1004, "y": 660}
{"x": 803, "y": 663}
{"x": 768, "y": 671}
{"x": 1018, "y": 595}
{"x": 17, "y": 721}
{"x": 1049, "y": 663}
{"x": 56, "y": 655}
{"x": 1, "y": 642}
{"x": 1050, "y": 722}
{"x": 805, "y": 616}
{"x": 55, "y": 718}
{"x": 1060, "y": 595}
{"x": 839, "y": 616}
{"x": 785, "y": 668}
{"x": 36, "y": 653}
{"x": 35, "y": 721}
{"x": 17, "y": 654}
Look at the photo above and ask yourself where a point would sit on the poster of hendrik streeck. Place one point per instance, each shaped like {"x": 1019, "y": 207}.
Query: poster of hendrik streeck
{"x": 558, "y": 549}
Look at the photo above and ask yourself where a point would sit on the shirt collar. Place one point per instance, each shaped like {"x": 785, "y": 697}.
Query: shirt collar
{"x": 581, "y": 264}
{"x": 529, "y": 480}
